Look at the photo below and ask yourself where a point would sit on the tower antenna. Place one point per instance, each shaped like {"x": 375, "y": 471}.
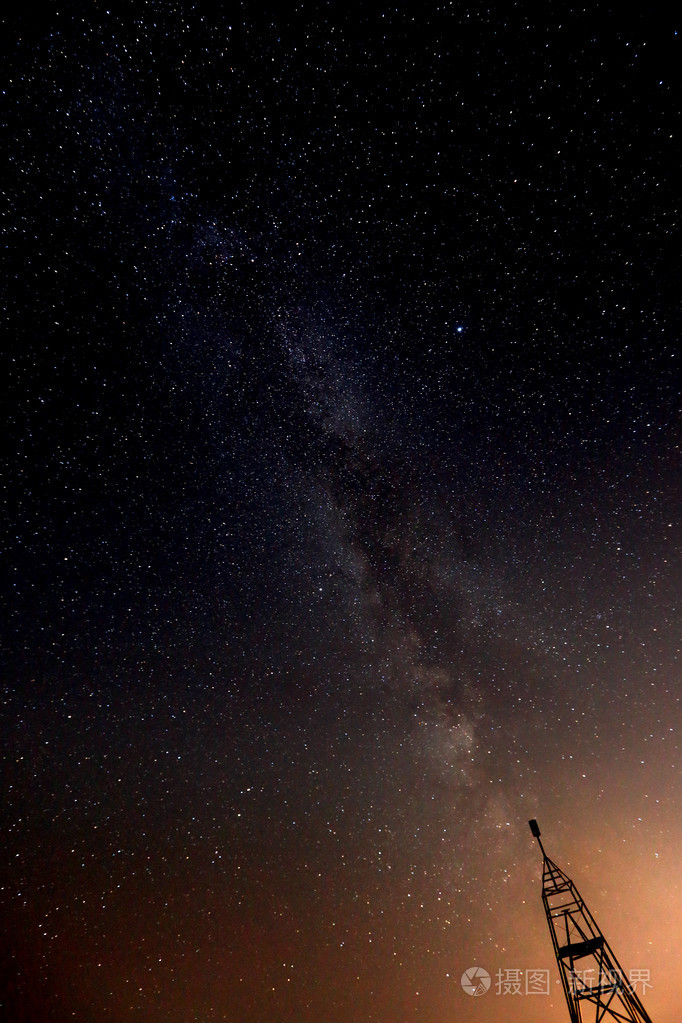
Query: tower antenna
{"x": 594, "y": 983}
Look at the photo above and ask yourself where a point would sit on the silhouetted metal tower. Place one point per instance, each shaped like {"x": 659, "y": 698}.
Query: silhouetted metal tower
{"x": 594, "y": 983}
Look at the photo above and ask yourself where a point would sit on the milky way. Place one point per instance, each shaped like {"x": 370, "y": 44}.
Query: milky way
{"x": 342, "y": 501}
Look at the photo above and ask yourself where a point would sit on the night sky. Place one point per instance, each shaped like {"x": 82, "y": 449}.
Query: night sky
{"x": 341, "y": 506}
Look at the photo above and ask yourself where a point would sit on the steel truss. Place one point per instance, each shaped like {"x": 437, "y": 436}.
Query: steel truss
{"x": 595, "y": 985}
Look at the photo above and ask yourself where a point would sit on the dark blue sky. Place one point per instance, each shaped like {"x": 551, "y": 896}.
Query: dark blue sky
{"x": 342, "y": 495}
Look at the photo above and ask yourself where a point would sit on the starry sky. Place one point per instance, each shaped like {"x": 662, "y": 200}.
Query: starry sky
{"x": 341, "y": 506}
